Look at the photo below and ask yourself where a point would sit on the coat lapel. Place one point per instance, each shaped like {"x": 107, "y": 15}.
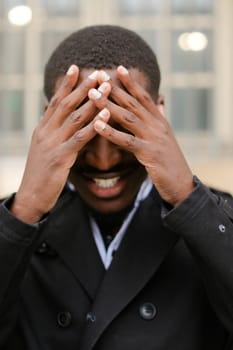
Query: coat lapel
{"x": 69, "y": 234}
{"x": 142, "y": 250}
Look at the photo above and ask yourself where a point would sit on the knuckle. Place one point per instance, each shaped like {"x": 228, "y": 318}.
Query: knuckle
{"x": 110, "y": 133}
{"x": 66, "y": 83}
{"x": 129, "y": 117}
{"x": 87, "y": 84}
{"x": 133, "y": 104}
{"x": 54, "y": 101}
{"x": 38, "y": 134}
{"x": 75, "y": 117}
{"x": 78, "y": 137}
{"x": 65, "y": 104}
{"x": 130, "y": 142}
{"x": 115, "y": 89}
{"x": 146, "y": 97}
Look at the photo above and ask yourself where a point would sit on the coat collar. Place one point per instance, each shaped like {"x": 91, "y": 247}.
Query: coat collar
{"x": 143, "y": 249}
{"x": 69, "y": 234}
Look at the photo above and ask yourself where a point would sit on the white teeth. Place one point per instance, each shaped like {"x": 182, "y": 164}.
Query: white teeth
{"x": 106, "y": 183}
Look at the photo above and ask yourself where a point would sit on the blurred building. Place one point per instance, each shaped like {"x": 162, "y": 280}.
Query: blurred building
{"x": 193, "y": 42}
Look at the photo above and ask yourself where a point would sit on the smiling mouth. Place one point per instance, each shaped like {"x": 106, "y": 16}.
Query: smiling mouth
{"x": 106, "y": 183}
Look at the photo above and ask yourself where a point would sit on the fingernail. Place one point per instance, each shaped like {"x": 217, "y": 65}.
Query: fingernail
{"x": 103, "y": 87}
{"x": 104, "y": 113}
{"x": 71, "y": 70}
{"x": 95, "y": 94}
{"x": 123, "y": 70}
{"x": 104, "y": 76}
{"x": 93, "y": 75}
{"x": 100, "y": 125}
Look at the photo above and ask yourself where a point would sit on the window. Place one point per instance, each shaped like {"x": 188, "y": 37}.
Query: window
{"x": 11, "y": 110}
{"x": 61, "y": 7}
{"x": 191, "y": 109}
{"x": 187, "y": 60}
{"x": 192, "y": 7}
{"x": 12, "y": 48}
{"x": 139, "y": 7}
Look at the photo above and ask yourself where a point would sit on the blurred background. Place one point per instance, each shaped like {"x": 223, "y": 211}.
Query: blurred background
{"x": 194, "y": 45}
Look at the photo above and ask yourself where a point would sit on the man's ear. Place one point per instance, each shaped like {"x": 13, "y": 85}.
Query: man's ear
{"x": 160, "y": 100}
{"x": 161, "y": 105}
{"x": 46, "y": 103}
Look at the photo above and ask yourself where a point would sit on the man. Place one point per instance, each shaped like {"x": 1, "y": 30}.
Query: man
{"x": 110, "y": 241}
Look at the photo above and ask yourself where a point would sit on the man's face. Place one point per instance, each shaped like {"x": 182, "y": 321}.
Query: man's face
{"x": 106, "y": 176}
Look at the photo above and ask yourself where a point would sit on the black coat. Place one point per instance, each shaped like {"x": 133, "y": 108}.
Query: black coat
{"x": 170, "y": 284}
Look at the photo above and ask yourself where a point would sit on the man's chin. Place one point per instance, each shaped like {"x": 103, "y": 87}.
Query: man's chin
{"x": 108, "y": 207}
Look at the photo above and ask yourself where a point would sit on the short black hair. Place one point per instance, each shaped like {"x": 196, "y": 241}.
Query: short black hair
{"x": 102, "y": 47}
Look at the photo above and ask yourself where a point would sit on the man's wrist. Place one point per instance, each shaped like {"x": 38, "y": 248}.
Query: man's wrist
{"x": 25, "y": 212}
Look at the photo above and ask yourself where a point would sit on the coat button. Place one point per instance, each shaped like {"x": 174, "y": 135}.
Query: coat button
{"x": 147, "y": 311}
{"x": 222, "y": 228}
{"x": 91, "y": 317}
{"x": 45, "y": 249}
{"x": 64, "y": 319}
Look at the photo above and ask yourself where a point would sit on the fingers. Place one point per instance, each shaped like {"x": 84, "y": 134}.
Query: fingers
{"x": 67, "y": 99}
{"x": 126, "y": 100}
{"x": 99, "y": 96}
{"x": 69, "y": 125}
{"x": 138, "y": 91}
{"x": 84, "y": 135}
{"x": 78, "y": 119}
{"x": 85, "y": 114}
{"x": 125, "y": 119}
{"x": 103, "y": 77}
{"x": 126, "y": 141}
{"x": 133, "y": 108}
{"x": 68, "y": 83}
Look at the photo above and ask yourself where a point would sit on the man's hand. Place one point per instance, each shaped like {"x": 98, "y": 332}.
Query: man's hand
{"x": 65, "y": 128}
{"x": 146, "y": 133}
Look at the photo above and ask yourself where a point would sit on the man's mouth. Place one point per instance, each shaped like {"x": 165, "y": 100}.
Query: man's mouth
{"x": 108, "y": 186}
{"x": 106, "y": 183}
{"x": 112, "y": 185}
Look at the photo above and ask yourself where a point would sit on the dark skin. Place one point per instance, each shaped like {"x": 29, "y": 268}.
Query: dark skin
{"x": 116, "y": 135}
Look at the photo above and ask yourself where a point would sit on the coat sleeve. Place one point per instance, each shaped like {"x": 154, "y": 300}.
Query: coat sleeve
{"x": 205, "y": 222}
{"x": 17, "y": 242}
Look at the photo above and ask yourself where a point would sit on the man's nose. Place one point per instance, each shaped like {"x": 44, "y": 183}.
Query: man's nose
{"x": 102, "y": 154}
